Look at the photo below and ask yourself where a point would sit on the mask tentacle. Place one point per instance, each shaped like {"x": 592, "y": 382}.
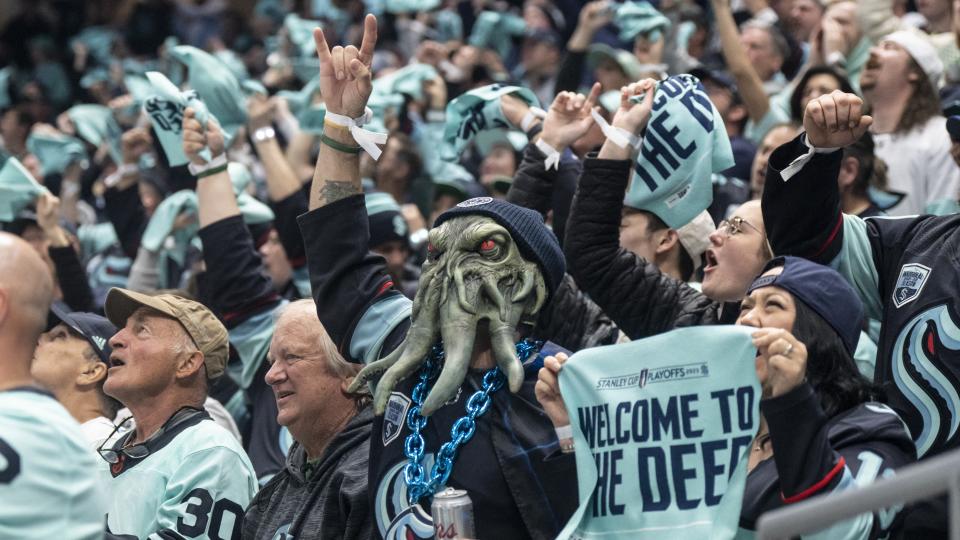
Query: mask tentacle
{"x": 371, "y": 370}
{"x": 489, "y": 285}
{"x": 462, "y": 290}
{"x": 526, "y": 285}
{"x": 410, "y": 354}
{"x": 505, "y": 353}
{"x": 426, "y": 281}
{"x": 418, "y": 345}
{"x": 459, "y": 332}
{"x": 541, "y": 289}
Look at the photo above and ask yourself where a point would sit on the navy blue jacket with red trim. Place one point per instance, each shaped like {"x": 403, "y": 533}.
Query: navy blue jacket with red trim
{"x": 815, "y": 455}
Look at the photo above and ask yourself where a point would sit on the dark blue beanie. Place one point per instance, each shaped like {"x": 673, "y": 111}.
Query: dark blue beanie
{"x": 823, "y": 290}
{"x": 535, "y": 240}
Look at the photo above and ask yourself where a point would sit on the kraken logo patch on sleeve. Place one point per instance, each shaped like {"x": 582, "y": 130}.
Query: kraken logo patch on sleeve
{"x": 909, "y": 284}
{"x": 394, "y": 416}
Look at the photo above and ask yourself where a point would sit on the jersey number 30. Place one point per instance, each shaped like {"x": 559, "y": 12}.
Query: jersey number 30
{"x": 201, "y": 512}
{"x": 9, "y": 463}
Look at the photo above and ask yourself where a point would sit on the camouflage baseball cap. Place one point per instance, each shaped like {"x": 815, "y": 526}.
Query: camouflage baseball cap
{"x": 207, "y": 332}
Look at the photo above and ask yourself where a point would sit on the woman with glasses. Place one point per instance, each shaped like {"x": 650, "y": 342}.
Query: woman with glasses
{"x": 822, "y": 430}
{"x": 640, "y": 298}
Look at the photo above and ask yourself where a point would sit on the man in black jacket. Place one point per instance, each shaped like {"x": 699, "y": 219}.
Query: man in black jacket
{"x": 517, "y": 491}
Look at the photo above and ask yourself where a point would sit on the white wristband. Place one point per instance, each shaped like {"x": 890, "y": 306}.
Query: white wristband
{"x": 618, "y": 136}
{"x": 218, "y": 161}
{"x": 533, "y": 114}
{"x": 553, "y": 156}
{"x": 126, "y": 169}
{"x": 368, "y": 140}
{"x": 564, "y": 432}
{"x": 794, "y": 167}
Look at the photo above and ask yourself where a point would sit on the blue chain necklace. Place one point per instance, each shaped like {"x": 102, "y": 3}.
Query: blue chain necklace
{"x": 419, "y": 484}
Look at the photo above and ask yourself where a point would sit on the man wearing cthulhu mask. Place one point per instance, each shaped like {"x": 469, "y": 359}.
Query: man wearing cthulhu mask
{"x": 455, "y": 403}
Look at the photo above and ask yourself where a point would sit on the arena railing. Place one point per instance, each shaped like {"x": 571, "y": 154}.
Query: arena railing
{"x": 924, "y": 480}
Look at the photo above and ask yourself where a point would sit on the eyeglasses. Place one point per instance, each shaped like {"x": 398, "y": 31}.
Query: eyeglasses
{"x": 140, "y": 451}
{"x": 734, "y": 226}
{"x": 111, "y": 456}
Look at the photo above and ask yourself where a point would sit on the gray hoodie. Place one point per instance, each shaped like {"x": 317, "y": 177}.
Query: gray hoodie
{"x": 331, "y": 503}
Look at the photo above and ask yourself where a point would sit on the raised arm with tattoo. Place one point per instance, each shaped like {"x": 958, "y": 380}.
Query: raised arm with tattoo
{"x": 345, "y": 85}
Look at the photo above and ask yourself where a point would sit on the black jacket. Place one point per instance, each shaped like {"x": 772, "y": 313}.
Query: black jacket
{"x": 237, "y": 290}
{"x": 640, "y": 299}
{"x": 815, "y": 455}
{"x": 325, "y": 500}
{"x": 571, "y": 319}
{"x": 519, "y": 489}
{"x": 906, "y": 272}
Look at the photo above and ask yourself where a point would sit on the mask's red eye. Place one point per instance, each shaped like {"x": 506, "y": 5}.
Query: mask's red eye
{"x": 430, "y": 248}
{"x": 487, "y": 245}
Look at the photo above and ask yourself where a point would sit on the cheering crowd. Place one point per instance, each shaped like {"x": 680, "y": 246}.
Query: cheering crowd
{"x": 284, "y": 269}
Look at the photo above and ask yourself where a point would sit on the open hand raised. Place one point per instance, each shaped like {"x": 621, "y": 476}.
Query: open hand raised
{"x": 569, "y": 118}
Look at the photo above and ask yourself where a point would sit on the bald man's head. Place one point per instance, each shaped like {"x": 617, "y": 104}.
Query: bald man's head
{"x": 26, "y": 290}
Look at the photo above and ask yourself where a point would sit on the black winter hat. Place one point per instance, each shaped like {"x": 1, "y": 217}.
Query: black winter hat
{"x": 533, "y": 238}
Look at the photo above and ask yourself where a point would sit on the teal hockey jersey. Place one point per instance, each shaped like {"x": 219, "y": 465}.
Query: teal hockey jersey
{"x": 48, "y": 475}
{"x": 195, "y": 482}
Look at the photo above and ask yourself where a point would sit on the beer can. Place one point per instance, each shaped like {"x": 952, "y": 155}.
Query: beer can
{"x": 452, "y": 512}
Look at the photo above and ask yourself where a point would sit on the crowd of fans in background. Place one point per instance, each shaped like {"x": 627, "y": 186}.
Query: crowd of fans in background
{"x": 130, "y": 243}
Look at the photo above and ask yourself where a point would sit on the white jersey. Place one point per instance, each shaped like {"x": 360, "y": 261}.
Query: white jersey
{"x": 49, "y": 486}
{"x": 195, "y": 482}
{"x": 919, "y": 164}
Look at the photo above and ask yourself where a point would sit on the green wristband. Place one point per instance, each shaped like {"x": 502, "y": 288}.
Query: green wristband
{"x": 340, "y": 147}
{"x": 213, "y": 171}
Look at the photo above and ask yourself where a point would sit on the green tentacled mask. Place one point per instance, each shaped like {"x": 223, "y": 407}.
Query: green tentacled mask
{"x": 474, "y": 281}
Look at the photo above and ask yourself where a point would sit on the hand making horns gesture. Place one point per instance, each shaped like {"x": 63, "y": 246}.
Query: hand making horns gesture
{"x": 345, "y": 71}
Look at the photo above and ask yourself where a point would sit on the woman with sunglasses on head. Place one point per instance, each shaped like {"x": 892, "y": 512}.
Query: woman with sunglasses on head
{"x": 822, "y": 429}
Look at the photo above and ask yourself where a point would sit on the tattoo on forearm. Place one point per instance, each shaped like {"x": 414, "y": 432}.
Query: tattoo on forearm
{"x": 334, "y": 190}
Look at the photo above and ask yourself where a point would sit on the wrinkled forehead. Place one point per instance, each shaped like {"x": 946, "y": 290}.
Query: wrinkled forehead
{"x": 156, "y": 319}
{"x": 298, "y": 320}
{"x": 465, "y": 229}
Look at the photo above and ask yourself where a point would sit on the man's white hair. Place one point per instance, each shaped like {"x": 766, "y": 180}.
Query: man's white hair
{"x": 335, "y": 361}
